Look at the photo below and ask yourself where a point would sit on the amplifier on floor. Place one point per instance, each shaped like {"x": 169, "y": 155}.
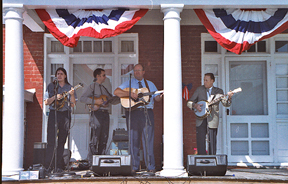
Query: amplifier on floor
{"x": 106, "y": 165}
{"x": 209, "y": 165}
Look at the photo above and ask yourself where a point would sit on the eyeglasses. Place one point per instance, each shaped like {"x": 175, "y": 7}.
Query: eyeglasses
{"x": 138, "y": 70}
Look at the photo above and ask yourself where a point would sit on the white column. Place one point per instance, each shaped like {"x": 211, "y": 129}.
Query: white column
{"x": 173, "y": 118}
{"x": 13, "y": 112}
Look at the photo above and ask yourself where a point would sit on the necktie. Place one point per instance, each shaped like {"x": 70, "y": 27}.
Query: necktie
{"x": 100, "y": 85}
{"x": 140, "y": 84}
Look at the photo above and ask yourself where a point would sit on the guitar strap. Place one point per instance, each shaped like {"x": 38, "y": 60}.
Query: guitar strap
{"x": 106, "y": 90}
{"x": 147, "y": 86}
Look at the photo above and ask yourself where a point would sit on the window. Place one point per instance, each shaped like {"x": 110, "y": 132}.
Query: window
{"x": 96, "y": 46}
{"x": 56, "y": 46}
{"x": 281, "y": 46}
{"x": 256, "y": 48}
{"x": 282, "y": 88}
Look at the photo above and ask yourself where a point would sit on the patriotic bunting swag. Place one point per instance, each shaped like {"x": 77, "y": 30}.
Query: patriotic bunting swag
{"x": 237, "y": 29}
{"x": 68, "y": 25}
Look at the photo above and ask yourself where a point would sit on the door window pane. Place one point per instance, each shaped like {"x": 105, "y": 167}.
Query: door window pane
{"x": 127, "y": 46}
{"x": 251, "y": 77}
{"x": 282, "y": 108}
{"x": 97, "y": 46}
{"x": 78, "y": 48}
{"x": 239, "y": 130}
{"x": 261, "y": 46}
{"x": 282, "y": 95}
{"x": 260, "y": 147}
{"x": 107, "y": 46}
{"x": 83, "y": 73}
{"x": 281, "y": 69}
{"x": 282, "y": 82}
{"x": 281, "y": 46}
{"x": 259, "y": 130}
{"x": 56, "y": 46}
{"x": 87, "y": 46}
{"x": 239, "y": 148}
{"x": 252, "y": 48}
{"x": 210, "y": 46}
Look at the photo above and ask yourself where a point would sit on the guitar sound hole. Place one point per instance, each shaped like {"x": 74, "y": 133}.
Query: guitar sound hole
{"x": 140, "y": 95}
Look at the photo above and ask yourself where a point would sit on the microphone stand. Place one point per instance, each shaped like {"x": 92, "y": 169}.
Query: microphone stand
{"x": 129, "y": 118}
{"x": 56, "y": 125}
{"x": 91, "y": 128}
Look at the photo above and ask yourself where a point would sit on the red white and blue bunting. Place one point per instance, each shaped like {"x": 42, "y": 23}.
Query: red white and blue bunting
{"x": 237, "y": 29}
{"x": 68, "y": 25}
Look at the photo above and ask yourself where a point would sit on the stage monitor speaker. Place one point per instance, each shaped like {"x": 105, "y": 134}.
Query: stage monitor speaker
{"x": 39, "y": 152}
{"x": 112, "y": 165}
{"x": 209, "y": 165}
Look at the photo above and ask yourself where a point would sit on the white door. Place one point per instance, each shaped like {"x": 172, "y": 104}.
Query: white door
{"x": 116, "y": 55}
{"x": 248, "y": 118}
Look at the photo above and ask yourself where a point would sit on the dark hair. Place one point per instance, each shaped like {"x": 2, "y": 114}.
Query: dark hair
{"x": 64, "y": 71}
{"x": 98, "y": 71}
{"x": 211, "y": 76}
{"x": 143, "y": 69}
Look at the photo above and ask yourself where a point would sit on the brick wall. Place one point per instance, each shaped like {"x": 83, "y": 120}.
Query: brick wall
{"x": 33, "y": 78}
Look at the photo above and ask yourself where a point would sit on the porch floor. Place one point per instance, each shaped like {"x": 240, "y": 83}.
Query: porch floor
{"x": 233, "y": 175}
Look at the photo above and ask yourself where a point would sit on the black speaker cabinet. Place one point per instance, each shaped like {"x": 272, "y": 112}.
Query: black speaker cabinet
{"x": 112, "y": 165}
{"x": 209, "y": 165}
{"x": 39, "y": 152}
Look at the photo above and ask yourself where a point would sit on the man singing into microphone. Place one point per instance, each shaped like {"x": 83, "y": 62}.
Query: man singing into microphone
{"x": 60, "y": 85}
{"x": 99, "y": 117}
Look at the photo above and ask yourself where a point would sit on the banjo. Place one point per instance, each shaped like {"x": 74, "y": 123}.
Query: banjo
{"x": 206, "y": 106}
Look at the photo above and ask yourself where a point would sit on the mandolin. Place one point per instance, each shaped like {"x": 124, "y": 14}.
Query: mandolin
{"x": 61, "y": 102}
{"x": 105, "y": 99}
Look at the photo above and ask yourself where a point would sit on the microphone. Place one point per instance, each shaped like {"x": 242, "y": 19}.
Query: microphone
{"x": 55, "y": 80}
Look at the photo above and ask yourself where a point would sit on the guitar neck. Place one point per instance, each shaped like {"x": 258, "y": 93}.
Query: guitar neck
{"x": 152, "y": 93}
{"x": 76, "y": 87}
{"x": 222, "y": 96}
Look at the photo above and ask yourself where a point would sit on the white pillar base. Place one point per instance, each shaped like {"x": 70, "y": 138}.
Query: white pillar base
{"x": 174, "y": 173}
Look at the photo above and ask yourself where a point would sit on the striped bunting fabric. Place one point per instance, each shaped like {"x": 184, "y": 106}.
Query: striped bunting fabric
{"x": 237, "y": 29}
{"x": 68, "y": 25}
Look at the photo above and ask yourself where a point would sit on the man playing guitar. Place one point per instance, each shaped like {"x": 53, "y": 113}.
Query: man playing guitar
{"x": 204, "y": 93}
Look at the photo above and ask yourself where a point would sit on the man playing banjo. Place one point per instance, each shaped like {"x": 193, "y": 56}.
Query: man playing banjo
{"x": 207, "y": 115}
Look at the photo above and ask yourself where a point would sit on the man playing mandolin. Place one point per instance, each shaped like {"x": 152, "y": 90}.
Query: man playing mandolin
{"x": 142, "y": 119}
{"x": 96, "y": 96}
{"x": 63, "y": 107}
{"x": 210, "y": 118}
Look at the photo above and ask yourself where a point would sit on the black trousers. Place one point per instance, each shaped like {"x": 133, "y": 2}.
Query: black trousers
{"x": 99, "y": 134}
{"x": 201, "y": 132}
{"x": 63, "y": 126}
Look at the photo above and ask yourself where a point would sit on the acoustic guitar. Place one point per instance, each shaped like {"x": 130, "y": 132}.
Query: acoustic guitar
{"x": 143, "y": 97}
{"x": 206, "y": 106}
{"x": 61, "y": 102}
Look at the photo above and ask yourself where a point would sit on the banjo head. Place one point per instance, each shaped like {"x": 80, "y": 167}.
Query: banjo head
{"x": 204, "y": 110}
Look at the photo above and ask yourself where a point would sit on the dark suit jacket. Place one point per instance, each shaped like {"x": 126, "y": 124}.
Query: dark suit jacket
{"x": 201, "y": 94}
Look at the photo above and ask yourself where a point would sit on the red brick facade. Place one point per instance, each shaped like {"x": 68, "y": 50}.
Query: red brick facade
{"x": 151, "y": 40}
